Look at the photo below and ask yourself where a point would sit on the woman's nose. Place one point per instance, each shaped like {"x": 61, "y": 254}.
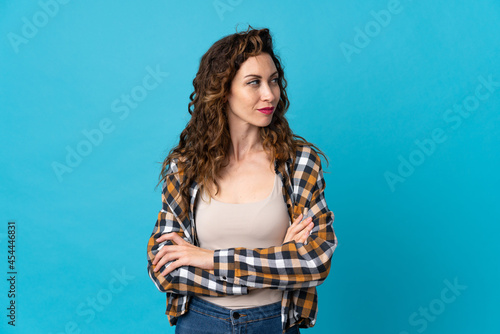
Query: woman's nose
{"x": 267, "y": 93}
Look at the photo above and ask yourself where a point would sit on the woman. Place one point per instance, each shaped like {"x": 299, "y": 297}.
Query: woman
{"x": 223, "y": 248}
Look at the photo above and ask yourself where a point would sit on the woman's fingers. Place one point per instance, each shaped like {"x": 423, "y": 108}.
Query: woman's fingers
{"x": 163, "y": 260}
{"x": 300, "y": 230}
{"x": 293, "y": 229}
{"x": 172, "y": 266}
{"x": 290, "y": 231}
{"x": 306, "y": 210}
{"x": 304, "y": 234}
{"x": 297, "y": 220}
{"x": 171, "y": 236}
{"x": 303, "y": 224}
{"x": 167, "y": 253}
{"x": 181, "y": 253}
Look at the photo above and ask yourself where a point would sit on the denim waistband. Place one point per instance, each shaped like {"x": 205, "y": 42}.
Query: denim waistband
{"x": 239, "y": 315}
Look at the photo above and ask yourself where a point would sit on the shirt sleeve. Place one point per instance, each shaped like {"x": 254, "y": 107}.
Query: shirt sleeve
{"x": 292, "y": 265}
{"x": 185, "y": 280}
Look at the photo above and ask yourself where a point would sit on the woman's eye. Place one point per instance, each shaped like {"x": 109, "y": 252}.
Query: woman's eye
{"x": 257, "y": 81}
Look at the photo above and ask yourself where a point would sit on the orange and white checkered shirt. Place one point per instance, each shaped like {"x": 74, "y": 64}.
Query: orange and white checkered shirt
{"x": 295, "y": 268}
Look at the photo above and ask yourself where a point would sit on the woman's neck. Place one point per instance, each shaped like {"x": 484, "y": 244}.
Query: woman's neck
{"x": 245, "y": 140}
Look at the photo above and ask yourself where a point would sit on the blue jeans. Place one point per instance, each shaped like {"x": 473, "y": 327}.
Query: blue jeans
{"x": 204, "y": 317}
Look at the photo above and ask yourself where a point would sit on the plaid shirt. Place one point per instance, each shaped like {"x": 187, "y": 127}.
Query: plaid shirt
{"x": 295, "y": 268}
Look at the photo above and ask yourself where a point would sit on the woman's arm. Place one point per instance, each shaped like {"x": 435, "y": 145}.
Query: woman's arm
{"x": 291, "y": 265}
{"x": 184, "y": 280}
{"x": 184, "y": 253}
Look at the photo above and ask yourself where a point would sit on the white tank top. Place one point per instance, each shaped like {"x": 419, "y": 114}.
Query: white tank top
{"x": 260, "y": 224}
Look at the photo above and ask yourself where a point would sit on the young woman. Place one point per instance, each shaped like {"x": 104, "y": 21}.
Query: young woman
{"x": 224, "y": 248}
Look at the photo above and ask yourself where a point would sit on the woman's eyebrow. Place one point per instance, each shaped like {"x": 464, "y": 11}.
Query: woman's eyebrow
{"x": 258, "y": 76}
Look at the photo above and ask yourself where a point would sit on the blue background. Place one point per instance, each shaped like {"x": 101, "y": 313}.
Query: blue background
{"x": 398, "y": 245}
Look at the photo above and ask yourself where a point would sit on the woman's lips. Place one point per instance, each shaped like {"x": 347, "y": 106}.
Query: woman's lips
{"x": 266, "y": 111}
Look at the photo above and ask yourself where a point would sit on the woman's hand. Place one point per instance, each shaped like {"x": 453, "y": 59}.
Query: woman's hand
{"x": 299, "y": 231}
{"x": 182, "y": 253}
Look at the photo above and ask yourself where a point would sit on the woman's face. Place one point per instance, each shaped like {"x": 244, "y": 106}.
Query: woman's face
{"x": 254, "y": 88}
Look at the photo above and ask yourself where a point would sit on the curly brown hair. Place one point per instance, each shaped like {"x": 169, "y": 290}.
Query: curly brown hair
{"x": 204, "y": 144}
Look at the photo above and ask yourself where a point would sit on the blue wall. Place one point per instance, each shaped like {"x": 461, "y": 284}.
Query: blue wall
{"x": 403, "y": 96}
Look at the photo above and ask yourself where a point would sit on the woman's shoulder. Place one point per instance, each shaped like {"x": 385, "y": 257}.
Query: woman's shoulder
{"x": 174, "y": 174}
{"x": 175, "y": 165}
{"x": 306, "y": 155}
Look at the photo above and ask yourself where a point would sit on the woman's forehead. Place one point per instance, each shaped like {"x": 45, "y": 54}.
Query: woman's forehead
{"x": 260, "y": 65}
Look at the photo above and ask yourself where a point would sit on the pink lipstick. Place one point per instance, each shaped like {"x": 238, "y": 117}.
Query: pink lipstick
{"x": 267, "y": 111}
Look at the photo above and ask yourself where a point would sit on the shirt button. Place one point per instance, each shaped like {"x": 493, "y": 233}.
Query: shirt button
{"x": 236, "y": 315}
